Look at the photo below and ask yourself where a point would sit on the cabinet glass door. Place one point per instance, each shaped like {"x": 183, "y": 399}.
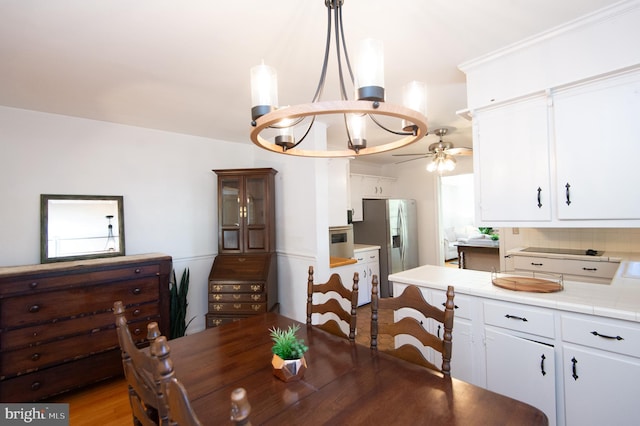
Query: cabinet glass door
{"x": 255, "y": 212}
{"x": 230, "y": 213}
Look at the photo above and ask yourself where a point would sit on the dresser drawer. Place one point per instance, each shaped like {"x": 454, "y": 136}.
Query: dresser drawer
{"x": 238, "y": 308}
{"x": 47, "y": 306}
{"x": 215, "y": 320}
{"x": 603, "y": 333}
{"x": 251, "y": 287}
{"x": 27, "y": 336}
{"x": 35, "y": 357}
{"x": 54, "y": 380}
{"x": 39, "y": 282}
{"x": 237, "y": 297}
{"x": 519, "y": 318}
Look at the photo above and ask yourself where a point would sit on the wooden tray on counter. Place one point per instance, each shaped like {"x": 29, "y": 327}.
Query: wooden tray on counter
{"x": 534, "y": 282}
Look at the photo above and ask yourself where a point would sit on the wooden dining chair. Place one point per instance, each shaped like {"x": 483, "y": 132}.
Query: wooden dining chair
{"x": 145, "y": 372}
{"x": 412, "y": 298}
{"x": 336, "y": 291}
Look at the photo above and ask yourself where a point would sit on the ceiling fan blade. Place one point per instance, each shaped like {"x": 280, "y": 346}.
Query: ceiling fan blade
{"x": 404, "y": 155}
{"x": 410, "y": 159}
{"x": 459, "y": 151}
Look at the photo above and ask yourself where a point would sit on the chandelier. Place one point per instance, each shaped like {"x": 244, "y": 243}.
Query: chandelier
{"x": 291, "y": 124}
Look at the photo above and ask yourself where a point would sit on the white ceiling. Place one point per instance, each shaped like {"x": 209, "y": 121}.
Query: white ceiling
{"x": 183, "y": 66}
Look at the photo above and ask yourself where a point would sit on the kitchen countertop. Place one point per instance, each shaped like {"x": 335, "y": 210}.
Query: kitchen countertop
{"x": 364, "y": 247}
{"x": 607, "y": 256}
{"x": 620, "y": 299}
{"x": 334, "y": 262}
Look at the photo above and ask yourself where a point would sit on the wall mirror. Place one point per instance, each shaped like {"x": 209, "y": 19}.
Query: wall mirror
{"x": 74, "y": 227}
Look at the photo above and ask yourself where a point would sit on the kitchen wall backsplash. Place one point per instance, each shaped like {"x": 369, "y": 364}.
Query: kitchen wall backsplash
{"x": 626, "y": 240}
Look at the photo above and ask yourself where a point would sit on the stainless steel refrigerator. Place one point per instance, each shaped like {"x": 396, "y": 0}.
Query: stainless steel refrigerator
{"x": 392, "y": 225}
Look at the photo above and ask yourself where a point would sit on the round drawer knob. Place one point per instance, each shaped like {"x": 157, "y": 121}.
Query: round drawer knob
{"x": 136, "y": 312}
{"x": 137, "y": 331}
{"x": 35, "y": 386}
{"x": 136, "y": 291}
{"x": 33, "y": 285}
{"x": 138, "y": 270}
{"x": 34, "y": 308}
{"x": 35, "y": 357}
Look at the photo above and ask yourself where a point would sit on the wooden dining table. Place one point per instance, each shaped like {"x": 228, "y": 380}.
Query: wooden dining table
{"x": 345, "y": 384}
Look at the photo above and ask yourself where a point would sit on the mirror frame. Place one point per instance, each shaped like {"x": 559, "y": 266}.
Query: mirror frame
{"x": 44, "y": 227}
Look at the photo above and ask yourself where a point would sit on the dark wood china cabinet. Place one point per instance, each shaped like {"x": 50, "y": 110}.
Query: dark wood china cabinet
{"x": 243, "y": 279}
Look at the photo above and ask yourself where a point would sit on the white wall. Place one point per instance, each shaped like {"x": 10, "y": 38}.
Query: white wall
{"x": 170, "y": 195}
{"x": 166, "y": 179}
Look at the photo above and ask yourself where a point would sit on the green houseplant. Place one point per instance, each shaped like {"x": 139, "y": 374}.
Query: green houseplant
{"x": 288, "y": 350}
{"x": 178, "y": 305}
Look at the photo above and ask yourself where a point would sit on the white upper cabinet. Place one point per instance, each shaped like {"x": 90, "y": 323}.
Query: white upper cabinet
{"x": 338, "y": 177}
{"x": 557, "y": 123}
{"x": 511, "y": 156}
{"x": 597, "y": 137}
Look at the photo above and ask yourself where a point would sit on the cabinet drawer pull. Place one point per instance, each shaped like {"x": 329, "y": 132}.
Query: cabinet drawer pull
{"x": 236, "y": 297}
{"x": 35, "y": 357}
{"x": 542, "y": 358}
{"x": 454, "y": 306}
{"x": 604, "y": 336}
{"x": 217, "y": 297}
{"x": 536, "y": 264}
{"x": 256, "y": 307}
{"x": 523, "y": 319}
{"x": 136, "y": 312}
{"x": 137, "y": 270}
{"x": 34, "y": 309}
{"x": 590, "y": 269}
{"x": 256, "y": 297}
{"x": 255, "y": 287}
{"x": 237, "y": 306}
{"x": 35, "y": 386}
{"x": 236, "y": 287}
{"x": 136, "y": 291}
{"x": 539, "y": 200}
{"x": 568, "y": 193}
{"x": 33, "y": 285}
{"x": 574, "y": 370}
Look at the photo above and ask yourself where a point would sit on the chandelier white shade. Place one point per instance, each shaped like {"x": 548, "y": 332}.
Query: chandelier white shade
{"x": 291, "y": 124}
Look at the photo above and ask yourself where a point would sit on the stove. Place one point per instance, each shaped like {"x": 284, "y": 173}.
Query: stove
{"x": 578, "y": 252}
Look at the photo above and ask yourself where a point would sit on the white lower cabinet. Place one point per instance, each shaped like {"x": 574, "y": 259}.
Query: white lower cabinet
{"x": 600, "y": 388}
{"x": 522, "y": 369}
{"x": 580, "y": 369}
{"x": 368, "y": 265}
{"x": 601, "y": 371}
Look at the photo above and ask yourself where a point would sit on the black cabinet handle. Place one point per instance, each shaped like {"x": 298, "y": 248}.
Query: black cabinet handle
{"x": 516, "y": 317}
{"x": 454, "y": 306}
{"x": 35, "y": 386}
{"x": 35, "y": 357}
{"x": 33, "y": 285}
{"x": 604, "y": 336}
{"x": 34, "y": 309}
{"x": 539, "y": 203}
{"x": 136, "y": 291}
{"x": 536, "y": 264}
{"x": 542, "y": 358}
{"x": 568, "y": 193}
{"x": 439, "y": 331}
{"x": 574, "y": 361}
{"x": 589, "y": 269}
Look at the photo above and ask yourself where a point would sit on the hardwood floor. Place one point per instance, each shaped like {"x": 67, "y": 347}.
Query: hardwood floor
{"x": 107, "y": 403}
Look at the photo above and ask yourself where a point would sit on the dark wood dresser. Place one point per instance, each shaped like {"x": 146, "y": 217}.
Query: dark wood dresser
{"x": 57, "y": 328}
{"x": 243, "y": 279}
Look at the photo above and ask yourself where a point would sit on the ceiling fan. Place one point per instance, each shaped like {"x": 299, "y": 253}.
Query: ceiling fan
{"x": 442, "y": 151}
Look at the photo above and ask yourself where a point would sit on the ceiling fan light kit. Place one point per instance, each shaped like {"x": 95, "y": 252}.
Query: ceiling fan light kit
{"x": 368, "y": 87}
{"x": 443, "y": 153}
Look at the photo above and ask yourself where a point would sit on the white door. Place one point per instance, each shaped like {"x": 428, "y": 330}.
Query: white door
{"x": 511, "y": 160}
{"x": 522, "y": 369}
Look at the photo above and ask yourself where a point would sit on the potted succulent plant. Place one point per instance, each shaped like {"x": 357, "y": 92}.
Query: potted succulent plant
{"x": 288, "y": 353}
